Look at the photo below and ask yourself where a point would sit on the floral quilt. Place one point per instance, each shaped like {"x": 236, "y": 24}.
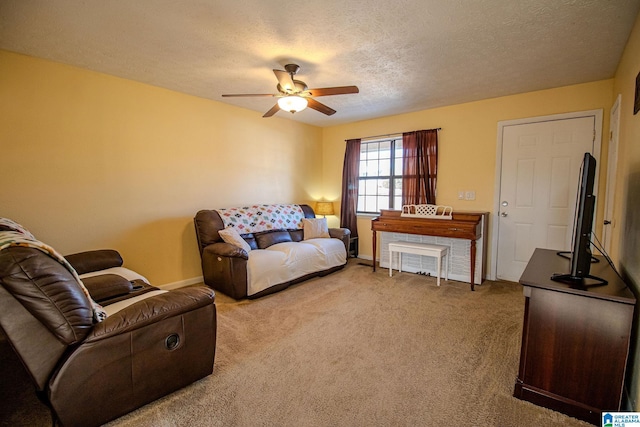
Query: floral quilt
{"x": 257, "y": 218}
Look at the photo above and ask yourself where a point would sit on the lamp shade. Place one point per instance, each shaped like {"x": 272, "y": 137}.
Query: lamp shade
{"x": 324, "y": 208}
{"x": 292, "y": 103}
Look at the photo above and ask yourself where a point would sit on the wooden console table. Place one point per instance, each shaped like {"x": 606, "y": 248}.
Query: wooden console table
{"x": 463, "y": 225}
{"x": 575, "y": 342}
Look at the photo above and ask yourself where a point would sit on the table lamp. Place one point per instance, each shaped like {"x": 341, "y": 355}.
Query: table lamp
{"x": 324, "y": 208}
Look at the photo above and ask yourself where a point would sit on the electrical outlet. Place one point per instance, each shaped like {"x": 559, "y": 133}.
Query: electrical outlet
{"x": 460, "y": 194}
{"x": 470, "y": 195}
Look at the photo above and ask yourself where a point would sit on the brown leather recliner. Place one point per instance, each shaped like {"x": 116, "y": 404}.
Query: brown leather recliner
{"x": 90, "y": 373}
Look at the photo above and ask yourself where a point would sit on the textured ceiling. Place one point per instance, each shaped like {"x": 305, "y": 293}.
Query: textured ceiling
{"x": 404, "y": 55}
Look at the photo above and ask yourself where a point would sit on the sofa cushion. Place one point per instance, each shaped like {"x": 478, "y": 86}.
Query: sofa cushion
{"x": 250, "y": 239}
{"x": 231, "y": 236}
{"x": 296, "y": 235}
{"x": 268, "y": 238}
{"x": 331, "y": 249}
{"x": 315, "y": 228}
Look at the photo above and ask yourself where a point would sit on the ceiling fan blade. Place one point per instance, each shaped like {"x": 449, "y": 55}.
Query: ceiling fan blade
{"x": 272, "y": 111}
{"x": 320, "y": 107}
{"x": 247, "y": 94}
{"x": 285, "y": 80}
{"x": 340, "y": 90}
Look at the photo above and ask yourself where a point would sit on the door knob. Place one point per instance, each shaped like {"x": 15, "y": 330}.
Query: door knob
{"x": 504, "y": 214}
{"x": 607, "y": 222}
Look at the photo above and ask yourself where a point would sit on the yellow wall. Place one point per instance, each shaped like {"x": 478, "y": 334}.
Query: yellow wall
{"x": 92, "y": 161}
{"x": 627, "y": 202}
{"x": 467, "y": 142}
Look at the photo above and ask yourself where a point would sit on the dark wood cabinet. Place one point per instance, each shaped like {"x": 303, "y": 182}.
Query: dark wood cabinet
{"x": 575, "y": 342}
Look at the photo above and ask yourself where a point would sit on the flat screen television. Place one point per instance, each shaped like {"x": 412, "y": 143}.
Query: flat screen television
{"x": 580, "y": 256}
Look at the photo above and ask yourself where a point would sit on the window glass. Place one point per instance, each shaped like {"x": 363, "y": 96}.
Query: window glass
{"x": 384, "y": 167}
{"x": 370, "y": 187}
{"x": 383, "y": 187}
{"x": 370, "y": 203}
{"x": 380, "y": 185}
{"x": 383, "y": 203}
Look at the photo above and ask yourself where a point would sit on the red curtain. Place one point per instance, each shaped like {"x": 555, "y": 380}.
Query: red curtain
{"x": 350, "y": 175}
{"x": 420, "y": 166}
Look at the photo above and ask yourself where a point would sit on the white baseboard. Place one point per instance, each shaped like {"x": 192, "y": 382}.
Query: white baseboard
{"x": 181, "y": 283}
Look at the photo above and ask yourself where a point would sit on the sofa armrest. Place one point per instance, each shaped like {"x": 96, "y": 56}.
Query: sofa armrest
{"x": 343, "y": 234}
{"x": 151, "y": 310}
{"x": 339, "y": 233}
{"x": 89, "y": 261}
{"x": 226, "y": 249}
{"x": 224, "y": 268}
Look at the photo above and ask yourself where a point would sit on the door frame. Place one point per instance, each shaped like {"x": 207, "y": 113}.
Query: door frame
{"x": 612, "y": 163}
{"x": 597, "y": 143}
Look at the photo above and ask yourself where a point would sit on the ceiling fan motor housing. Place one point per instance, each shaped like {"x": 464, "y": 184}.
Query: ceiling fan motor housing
{"x": 300, "y": 86}
{"x": 292, "y": 68}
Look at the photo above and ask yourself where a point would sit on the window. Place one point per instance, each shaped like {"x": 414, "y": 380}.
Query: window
{"x": 380, "y": 180}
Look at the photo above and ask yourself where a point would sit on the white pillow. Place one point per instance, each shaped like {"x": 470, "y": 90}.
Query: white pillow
{"x": 314, "y": 228}
{"x": 231, "y": 236}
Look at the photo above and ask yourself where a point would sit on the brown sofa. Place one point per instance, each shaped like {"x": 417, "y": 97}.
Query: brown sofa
{"x": 87, "y": 372}
{"x": 225, "y": 266}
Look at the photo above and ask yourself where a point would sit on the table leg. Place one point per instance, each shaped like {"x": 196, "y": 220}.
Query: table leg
{"x": 473, "y": 263}
{"x": 374, "y": 251}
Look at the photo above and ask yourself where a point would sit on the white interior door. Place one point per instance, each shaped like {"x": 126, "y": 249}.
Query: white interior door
{"x": 612, "y": 163}
{"x": 539, "y": 167}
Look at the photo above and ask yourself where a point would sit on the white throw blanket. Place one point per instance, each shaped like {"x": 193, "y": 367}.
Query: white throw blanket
{"x": 20, "y": 236}
{"x": 283, "y": 262}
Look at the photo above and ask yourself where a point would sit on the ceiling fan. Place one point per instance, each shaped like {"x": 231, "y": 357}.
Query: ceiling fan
{"x": 294, "y": 95}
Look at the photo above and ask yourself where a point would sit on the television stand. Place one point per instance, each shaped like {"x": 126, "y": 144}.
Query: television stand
{"x": 575, "y": 341}
{"x": 568, "y": 254}
{"x": 587, "y": 281}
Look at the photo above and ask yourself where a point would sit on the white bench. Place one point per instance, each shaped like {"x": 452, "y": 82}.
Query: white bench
{"x": 424, "y": 249}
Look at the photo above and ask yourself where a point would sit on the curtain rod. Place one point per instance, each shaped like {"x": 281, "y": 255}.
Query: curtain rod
{"x": 389, "y": 135}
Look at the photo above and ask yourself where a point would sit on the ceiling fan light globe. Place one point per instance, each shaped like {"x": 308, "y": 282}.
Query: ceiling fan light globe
{"x": 292, "y": 103}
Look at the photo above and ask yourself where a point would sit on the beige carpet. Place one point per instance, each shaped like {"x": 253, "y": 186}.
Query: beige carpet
{"x": 358, "y": 348}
